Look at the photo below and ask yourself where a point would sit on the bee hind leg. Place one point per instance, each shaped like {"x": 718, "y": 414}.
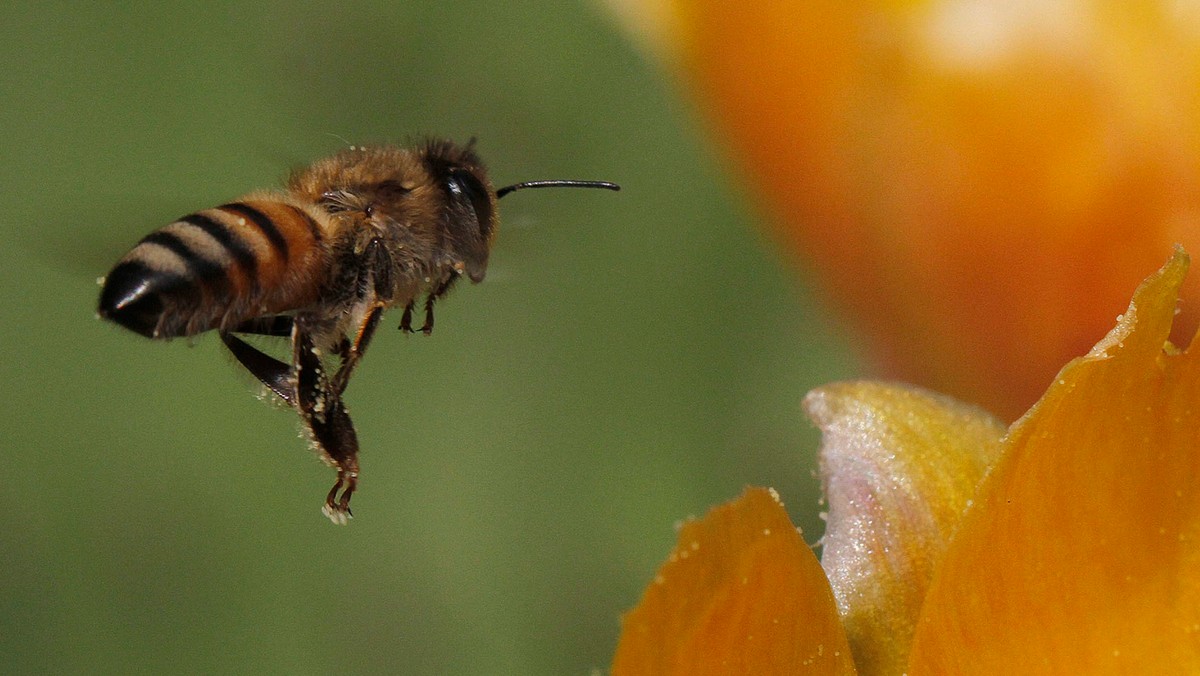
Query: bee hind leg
{"x": 276, "y": 375}
{"x": 337, "y": 508}
{"x": 273, "y": 325}
{"x": 329, "y": 426}
{"x": 333, "y": 433}
{"x": 271, "y": 372}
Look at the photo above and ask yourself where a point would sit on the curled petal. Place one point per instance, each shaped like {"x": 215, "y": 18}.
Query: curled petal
{"x": 899, "y": 466}
{"x": 741, "y": 593}
{"x": 1082, "y": 551}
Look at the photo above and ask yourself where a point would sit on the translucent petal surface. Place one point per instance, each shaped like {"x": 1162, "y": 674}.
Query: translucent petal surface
{"x": 899, "y": 466}
{"x": 741, "y": 593}
{"x": 1082, "y": 552}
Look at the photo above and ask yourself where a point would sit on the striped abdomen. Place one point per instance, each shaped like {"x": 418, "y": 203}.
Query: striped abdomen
{"x": 217, "y": 268}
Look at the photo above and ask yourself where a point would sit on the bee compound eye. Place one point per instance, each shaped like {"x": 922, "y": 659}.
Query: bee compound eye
{"x": 466, "y": 189}
{"x": 472, "y": 220}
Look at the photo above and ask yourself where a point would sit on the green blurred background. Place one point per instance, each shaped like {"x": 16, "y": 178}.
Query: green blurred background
{"x": 632, "y": 358}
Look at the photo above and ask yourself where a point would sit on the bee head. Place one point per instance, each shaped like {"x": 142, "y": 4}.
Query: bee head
{"x": 469, "y": 212}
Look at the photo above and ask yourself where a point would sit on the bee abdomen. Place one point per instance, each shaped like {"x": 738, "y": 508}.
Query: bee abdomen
{"x": 215, "y": 268}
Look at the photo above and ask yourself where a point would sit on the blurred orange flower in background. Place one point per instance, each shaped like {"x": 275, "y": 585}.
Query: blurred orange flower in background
{"x": 1068, "y": 543}
{"x": 977, "y": 183}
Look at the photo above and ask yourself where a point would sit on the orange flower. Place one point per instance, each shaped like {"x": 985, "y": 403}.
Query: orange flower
{"x": 1068, "y": 544}
{"x": 977, "y": 182}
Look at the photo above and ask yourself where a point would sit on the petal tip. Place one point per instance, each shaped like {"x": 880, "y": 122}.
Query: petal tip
{"x": 1144, "y": 316}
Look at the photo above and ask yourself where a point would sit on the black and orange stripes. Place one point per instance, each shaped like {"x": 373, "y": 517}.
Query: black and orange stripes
{"x": 216, "y": 268}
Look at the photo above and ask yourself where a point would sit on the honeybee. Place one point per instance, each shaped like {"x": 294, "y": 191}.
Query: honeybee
{"x": 352, "y": 235}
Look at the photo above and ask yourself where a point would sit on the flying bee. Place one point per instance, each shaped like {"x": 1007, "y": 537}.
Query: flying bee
{"x": 368, "y": 229}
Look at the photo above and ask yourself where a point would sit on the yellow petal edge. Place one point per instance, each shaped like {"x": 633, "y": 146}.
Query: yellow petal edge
{"x": 1082, "y": 552}
{"x": 741, "y": 593}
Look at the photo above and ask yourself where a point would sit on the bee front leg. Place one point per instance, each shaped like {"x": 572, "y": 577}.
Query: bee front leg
{"x": 437, "y": 293}
{"x": 406, "y": 318}
{"x": 328, "y": 424}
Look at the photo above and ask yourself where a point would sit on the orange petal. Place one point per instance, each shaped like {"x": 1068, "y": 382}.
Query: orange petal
{"x": 740, "y": 594}
{"x": 1082, "y": 551}
{"x": 899, "y": 466}
{"x": 978, "y": 184}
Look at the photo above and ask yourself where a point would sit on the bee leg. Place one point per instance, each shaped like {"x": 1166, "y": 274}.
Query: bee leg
{"x": 355, "y": 351}
{"x": 319, "y": 398}
{"x": 373, "y": 284}
{"x": 377, "y": 264}
{"x": 329, "y": 425}
{"x": 339, "y": 438}
{"x": 271, "y": 372}
{"x": 343, "y": 349}
{"x": 427, "y": 329}
{"x": 406, "y": 318}
{"x": 277, "y": 325}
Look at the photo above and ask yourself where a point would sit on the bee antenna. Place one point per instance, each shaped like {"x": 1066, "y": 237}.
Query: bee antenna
{"x": 558, "y": 183}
